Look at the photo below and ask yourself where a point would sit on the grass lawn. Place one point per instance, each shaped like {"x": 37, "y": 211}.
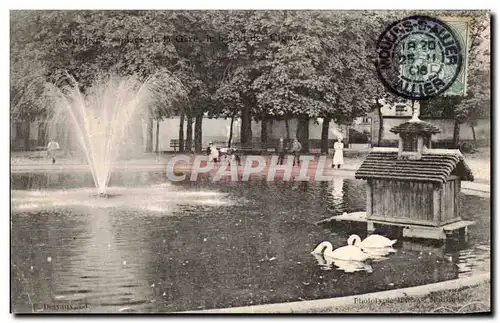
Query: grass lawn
{"x": 466, "y": 300}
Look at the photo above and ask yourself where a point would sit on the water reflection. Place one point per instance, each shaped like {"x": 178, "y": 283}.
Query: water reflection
{"x": 471, "y": 260}
{"x": 344, "y": 194}
{"x": 93, "y": 266}
{"x": 79, "y": 180}
{"x": 338, "y": 185}
{"x": 379, "y": 253}
{"x": 327, "y": 263}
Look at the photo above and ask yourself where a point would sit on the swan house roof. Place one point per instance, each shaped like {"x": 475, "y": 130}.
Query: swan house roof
{"x": 418, "y": 126}
{"x": 436, "y": 165}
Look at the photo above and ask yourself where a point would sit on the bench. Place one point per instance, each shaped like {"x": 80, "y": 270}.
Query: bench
{"x": 220, "y": 143}
{"x": 248, "y": 149}
{"x": 174, "y": 143}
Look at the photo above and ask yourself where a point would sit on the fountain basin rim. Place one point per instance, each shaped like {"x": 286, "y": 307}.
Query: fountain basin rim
{"x": 323, "y": 304}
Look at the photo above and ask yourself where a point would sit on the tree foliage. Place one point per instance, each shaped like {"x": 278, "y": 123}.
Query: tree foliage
{"x": 231, "y": 63}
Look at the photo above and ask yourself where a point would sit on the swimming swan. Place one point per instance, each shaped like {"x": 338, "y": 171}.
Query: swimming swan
{"x": 372, "y": 241}
{"x": 343, "y": 253}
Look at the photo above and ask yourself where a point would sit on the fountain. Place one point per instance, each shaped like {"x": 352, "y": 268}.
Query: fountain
{"x": 100, "y": 116}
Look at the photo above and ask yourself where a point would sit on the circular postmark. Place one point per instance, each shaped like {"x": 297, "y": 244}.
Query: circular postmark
{"x": 418, "y": 57}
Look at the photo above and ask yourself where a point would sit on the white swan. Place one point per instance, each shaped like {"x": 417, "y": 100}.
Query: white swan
{"x": 372, "y": 241}
{"x": 325, "y": 248}
{"x": 376, "y": 246}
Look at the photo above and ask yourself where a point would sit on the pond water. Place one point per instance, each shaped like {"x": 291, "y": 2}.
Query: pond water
{"x": 154, "y": 246}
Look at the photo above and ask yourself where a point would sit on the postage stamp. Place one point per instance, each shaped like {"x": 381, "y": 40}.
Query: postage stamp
{"x": 418, "y": 57}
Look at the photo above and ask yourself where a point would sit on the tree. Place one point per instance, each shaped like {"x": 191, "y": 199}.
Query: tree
{"x": 244, "y": 50}
{"x": 90, "y": 43}
{"x": 197, "y": 48}
{"x": 228, "y": 105}
{"x": 476, "y": 103}
{"x": 168, "y": 96}
{"x": 27, "y": 76}
{"x": 254, "y": 65}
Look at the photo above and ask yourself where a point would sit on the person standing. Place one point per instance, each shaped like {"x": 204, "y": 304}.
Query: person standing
{"x": 209, "y": 148}
{"x": 214, "y": 153}
{"x": 52, "y": 147}
{"x": 296, "y": 149}
{"x": 280, "y": 149}
{"x": 338, "y": 157}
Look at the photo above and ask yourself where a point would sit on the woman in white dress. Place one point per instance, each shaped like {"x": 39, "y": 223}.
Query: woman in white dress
{"x": 214, "y": 153}
{"x": 338, "y": 157}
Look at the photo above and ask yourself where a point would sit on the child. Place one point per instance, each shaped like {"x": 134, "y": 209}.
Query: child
{"x": 280, "y": 149}
{"x": 296, "y": 149}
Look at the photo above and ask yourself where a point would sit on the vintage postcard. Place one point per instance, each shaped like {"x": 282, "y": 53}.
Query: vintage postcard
{"x": 250, "y": 161}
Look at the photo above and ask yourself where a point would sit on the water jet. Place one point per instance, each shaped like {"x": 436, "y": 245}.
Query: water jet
{"x": 103, "y": 117}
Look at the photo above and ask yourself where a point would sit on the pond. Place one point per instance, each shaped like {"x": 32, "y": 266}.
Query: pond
{"x": 155, "y": 246}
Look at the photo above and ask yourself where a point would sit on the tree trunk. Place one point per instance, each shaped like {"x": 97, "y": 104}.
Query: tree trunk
{"x": 324, "y": 135}
{"x": 246, "y": 126}
{"x": 302, "y": 133}
{"x": 287, "y": 127}
{"x": 473, "y": 134}
{"x": 149, "y": 135}
{"x": 347, "y": 139}
{"x": 157, "y": 136}
{"x": 456, "y": 134}
{"x": 380, "y": 126}
{"x": 42, "y": 134}
{"x": 305, "y": 144}
{"x": 263, "y": 133}
{"x": 26, "y": 135}
{"x": 230, "y": 139}
{"x": 189, "y": 134}
{"x": 181, "y": 132}
{"x": 197, "y": 133}
{"x": 298, "y": 130}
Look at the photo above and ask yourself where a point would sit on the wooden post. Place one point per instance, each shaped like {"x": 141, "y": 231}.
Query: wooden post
{"x": 442, "y": 198}
{"x": 463, "y": 234}
{"x": 436, "y": 208}
{"x": 370, "y": 227}
{"x": 420, "y": 144}
{"x": 369, "y": 199}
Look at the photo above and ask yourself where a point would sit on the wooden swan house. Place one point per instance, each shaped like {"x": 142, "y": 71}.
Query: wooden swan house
{"x": 414, "y": 186}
